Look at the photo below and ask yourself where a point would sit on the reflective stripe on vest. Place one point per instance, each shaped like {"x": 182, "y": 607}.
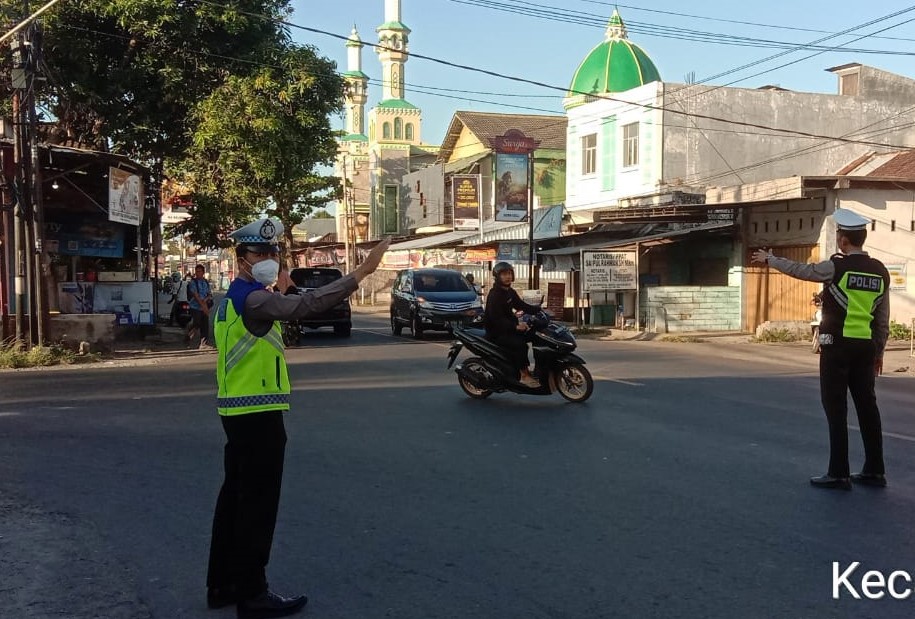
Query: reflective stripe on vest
{"x": 251, "y": 370}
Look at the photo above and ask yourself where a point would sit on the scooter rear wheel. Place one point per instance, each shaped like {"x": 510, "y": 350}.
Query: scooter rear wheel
{"x": 475, "y": 366}
{"x": 574, "y": 382}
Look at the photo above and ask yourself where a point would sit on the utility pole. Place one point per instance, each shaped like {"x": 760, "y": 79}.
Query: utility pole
{"x": 19, "y": 77}
{"x": 36, "y": 207}
{"x": 344, "y": 202}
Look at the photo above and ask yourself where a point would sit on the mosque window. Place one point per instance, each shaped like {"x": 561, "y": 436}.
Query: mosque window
{"x": 589, "y": 154}
{"x": 630, "y": 145}
{"x": 408, "y": 131}
{"x": 386, "y": 131}
{"x": 398, "y": 129}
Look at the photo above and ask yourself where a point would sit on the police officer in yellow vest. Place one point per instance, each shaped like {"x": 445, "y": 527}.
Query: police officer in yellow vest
{"x": 253, "y": 395}
{"x": 853, "y": 334}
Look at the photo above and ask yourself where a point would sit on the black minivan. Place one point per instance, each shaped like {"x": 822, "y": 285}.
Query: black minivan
{"x": 432, "y": 299}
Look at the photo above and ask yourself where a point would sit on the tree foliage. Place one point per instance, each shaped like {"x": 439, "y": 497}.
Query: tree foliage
{"x": 129, "y": 72}
{"x": 260, "y": 140}
{"x": 215, "y": 92}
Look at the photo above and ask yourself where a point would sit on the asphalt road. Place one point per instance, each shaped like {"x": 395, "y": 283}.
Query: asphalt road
{"x": 679, "y": 490}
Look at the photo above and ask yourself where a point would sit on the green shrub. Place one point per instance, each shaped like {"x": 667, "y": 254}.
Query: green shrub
{"x": 683, "y": 339}
{"x": 16, "y": 355}
{"x": 899, "y": 331}
{"x": 777, "y": 335}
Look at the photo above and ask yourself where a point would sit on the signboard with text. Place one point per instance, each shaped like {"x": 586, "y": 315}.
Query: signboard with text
{"x": 512, "y": 175}
{"x": 467, "y": 201}
{"x": 608, "y": 270}
{"x": 125, "y": 197}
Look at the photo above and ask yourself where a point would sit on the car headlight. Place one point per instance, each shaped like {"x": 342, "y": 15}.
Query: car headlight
{"x": 477, "y": 304}
{"x": 423, "y": 303}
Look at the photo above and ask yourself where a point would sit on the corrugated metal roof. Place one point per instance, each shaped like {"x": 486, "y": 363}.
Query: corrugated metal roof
{"x": 642, "y": 240}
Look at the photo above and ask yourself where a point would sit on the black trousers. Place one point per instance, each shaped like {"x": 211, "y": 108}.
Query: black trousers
{"x": 846, "y": 366}
{"x": 248, "y": 501}
{"x": 515, "y": 345}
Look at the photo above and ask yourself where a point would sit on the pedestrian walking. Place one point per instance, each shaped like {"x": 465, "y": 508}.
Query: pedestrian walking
{"x": 253, "y": 395}
{"x": 200, "y": 299}
{"x": 853, "y": 334}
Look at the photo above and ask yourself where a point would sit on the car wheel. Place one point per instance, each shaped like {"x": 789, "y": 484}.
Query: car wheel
{"x": 417, "y": 327}
{"x": 396, "y": 327}
{"x": 343, "y": 330}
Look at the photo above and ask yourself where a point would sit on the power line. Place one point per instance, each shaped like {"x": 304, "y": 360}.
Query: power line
{"x": 546, "y": 12}
{"x": 722, "y": 19}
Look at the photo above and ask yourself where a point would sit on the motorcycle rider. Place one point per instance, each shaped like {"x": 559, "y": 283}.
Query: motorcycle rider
{"x": 502, "y": 325}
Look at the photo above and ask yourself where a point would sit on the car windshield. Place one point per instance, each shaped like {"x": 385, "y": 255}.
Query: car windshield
{"x": 440, "y": 282}
{"x": 314, "y": 278}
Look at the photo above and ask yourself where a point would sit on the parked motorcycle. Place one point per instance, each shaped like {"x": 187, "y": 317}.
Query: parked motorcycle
{"x": 555, "y": 364}
{"x": 180, "y": 313}
{"x": 817, "y": 301}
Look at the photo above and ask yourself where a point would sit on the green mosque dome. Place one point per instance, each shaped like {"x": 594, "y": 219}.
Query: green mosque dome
{"x": 615, "y": 65}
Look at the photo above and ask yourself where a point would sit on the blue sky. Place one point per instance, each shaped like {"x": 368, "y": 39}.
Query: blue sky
{"x": 549, "y": 50}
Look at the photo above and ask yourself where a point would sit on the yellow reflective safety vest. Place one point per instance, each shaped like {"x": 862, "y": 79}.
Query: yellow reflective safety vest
{"x": 250, "y": 371}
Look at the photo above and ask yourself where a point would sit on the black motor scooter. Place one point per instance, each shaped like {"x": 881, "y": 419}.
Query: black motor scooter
{"x": 555, "y": 365}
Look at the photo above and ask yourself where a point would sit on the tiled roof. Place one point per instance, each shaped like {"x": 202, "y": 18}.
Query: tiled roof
{"x": 900, "y": 166}
{"x": 550, "y": 130}
{"x": 886, "y": 165}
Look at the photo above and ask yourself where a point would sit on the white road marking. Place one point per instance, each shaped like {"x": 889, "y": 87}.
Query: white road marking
{"x": 901, "y": 437}
{"x": 10, "y": 414}
{"x": 618, "y": 380}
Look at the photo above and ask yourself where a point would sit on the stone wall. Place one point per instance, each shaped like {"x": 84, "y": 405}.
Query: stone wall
{"x": 670, "y": 309}
{"x": 71, "y": 329}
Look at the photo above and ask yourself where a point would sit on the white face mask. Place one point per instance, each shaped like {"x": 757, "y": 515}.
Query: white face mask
{"x": 265, "y": 272}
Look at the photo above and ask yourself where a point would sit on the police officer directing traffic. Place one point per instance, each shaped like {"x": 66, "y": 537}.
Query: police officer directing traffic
{"x": 253, "y": 395}
{"x": 853, "y": 334}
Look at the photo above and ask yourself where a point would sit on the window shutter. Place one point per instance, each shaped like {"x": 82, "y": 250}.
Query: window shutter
{"x": 607, "y": 152}
{"x": 573, "y": 159}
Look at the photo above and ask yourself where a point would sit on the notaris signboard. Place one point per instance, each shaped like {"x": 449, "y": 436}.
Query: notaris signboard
{"x": 608, "y": 270}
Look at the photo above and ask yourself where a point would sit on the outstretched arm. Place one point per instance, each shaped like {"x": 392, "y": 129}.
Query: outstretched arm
{"x": 815, "y": 272}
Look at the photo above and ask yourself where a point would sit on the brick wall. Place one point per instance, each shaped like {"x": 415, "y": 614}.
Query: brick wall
{"x": 669, "y": 309}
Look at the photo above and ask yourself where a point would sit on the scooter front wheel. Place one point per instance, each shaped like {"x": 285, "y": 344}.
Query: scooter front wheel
{"x": 574, "y": 382}
{"x": 474, "y": 366}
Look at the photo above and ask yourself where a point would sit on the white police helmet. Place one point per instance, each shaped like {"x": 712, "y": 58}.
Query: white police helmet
{"x": 849, "y": 220}
{"x": 259, "y": 236}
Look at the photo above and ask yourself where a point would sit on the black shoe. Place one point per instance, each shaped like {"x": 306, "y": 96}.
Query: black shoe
{"x": 869, "y": 479}
{"x": 218, "y": 597}
{"x": 828, "y": 481}
{"x": 269, "y": 604}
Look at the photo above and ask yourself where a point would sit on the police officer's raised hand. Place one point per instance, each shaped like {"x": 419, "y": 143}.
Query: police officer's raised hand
{"x": 761, "y": 255}
{"x": 371, "y": 261}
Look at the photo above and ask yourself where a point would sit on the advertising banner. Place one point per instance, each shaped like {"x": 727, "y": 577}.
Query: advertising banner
{"x": 73, "y": 236}
{"x": 481, "y": 255}
{"x": 467, "y": 200}
{"x": 608, "y": 270}
{"x": 125, "y": 197}
{"x": 512, "y": 178}
{"x": 897, "y": 276}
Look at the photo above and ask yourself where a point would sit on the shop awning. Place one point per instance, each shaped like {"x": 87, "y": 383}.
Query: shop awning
{"x": 660, "y": 238}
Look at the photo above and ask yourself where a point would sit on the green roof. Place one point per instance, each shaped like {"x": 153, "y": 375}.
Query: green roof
{"x": 615, "y": 65}
{"x": 355, "y": 137}
{"x": 392, "y": 25}
{"x": 397, "y": 104}
{"x": 358, "y": 74}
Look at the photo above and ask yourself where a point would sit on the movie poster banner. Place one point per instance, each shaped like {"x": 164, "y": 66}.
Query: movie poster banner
{"x": 467, "y": 200}
{"x": 511, "y": 187}
{"x": 125, "y": 197}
